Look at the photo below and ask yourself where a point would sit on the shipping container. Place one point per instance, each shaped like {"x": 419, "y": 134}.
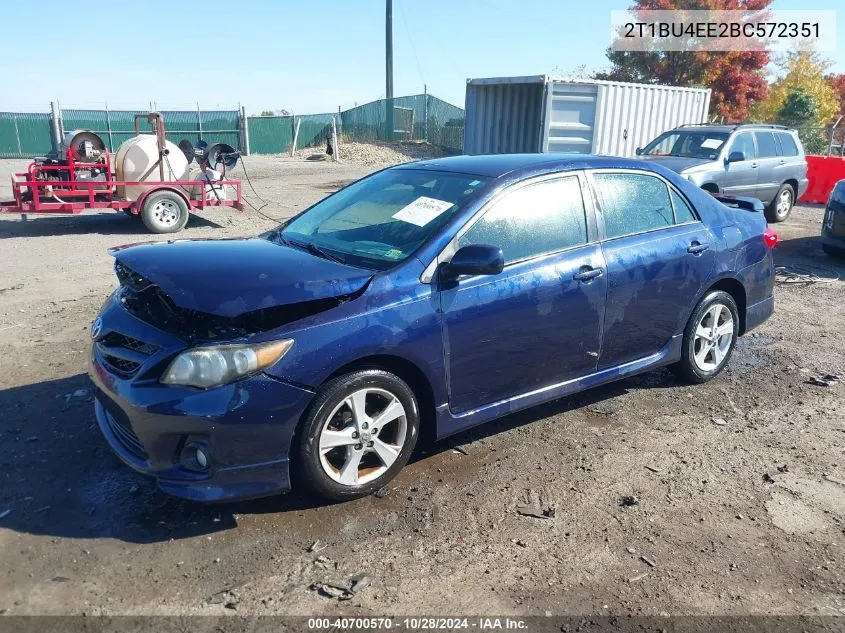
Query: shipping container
{"x": 575, "y": 116}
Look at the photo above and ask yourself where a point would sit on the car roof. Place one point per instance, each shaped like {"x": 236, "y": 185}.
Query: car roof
{"x": 737, "y": 127}
{"x": 499, "y": 165}
{"x": 726, "y": 129}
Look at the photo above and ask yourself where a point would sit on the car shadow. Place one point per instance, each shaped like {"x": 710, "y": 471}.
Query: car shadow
{"x": 107, "y": 223}
{"x": 807, "y": 253}
{"x": 61, "y": 479}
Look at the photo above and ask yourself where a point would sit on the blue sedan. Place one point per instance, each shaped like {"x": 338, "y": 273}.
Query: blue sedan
{"x": 439, "y": 294}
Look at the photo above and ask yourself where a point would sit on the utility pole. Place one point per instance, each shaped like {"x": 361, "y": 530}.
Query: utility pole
{"x": 388, "y": 60}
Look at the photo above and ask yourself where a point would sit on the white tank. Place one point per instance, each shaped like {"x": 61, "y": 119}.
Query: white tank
{"x": 137, "y": 159}
{"x": 215, "y": 188}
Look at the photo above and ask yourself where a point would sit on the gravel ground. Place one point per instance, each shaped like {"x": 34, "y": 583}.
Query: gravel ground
{"x": 737, "y": 487}
{"x": 377, "y": 154}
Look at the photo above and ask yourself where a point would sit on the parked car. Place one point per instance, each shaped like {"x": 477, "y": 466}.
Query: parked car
{"x": 762, "y": 161}
{"x": 833, "y": 224}
{"x": 435, "y": 295}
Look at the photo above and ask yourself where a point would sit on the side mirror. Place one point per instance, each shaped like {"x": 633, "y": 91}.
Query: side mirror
{"x": 638, "y": 151}
{"x": 736, "y": 157}
{"x": 474, "y": 259}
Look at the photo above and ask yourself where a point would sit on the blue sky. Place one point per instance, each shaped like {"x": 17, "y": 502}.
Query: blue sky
{"x": 303, "y": 56}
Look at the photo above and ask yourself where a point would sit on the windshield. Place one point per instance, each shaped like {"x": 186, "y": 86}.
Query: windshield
{"x": 692, "y": 144}
{"x": 379, "y": 221}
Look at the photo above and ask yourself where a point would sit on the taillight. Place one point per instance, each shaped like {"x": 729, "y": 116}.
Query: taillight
{"x": 770, "y": 237}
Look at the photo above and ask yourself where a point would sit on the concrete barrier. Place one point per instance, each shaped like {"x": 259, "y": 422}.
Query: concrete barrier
{"x": 823, "y": 173}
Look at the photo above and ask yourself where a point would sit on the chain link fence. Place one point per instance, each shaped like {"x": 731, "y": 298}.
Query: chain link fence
{"x": 823, "y": 141}
{"x": 117, "y": 126}
{"x": 421, "y": 117}
{"x": 25, "y": 134}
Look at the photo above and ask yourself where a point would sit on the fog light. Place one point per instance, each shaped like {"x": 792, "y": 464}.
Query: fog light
{"x": 195, "y": 457}
{"x": 202, "y": 459}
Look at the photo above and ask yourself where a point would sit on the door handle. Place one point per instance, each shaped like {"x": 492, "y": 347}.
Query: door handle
{"x": 753, "y": 165}
{"x": 697, "y": 248}
{"x": 587, "y": 273}
{"x": 781, "y": 162}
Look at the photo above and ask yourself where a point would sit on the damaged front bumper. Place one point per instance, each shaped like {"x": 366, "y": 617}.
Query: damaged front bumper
{"x": 244, "y": 429}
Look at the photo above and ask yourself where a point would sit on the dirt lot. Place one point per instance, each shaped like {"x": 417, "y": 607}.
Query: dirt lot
{"x": 739, "y": 484}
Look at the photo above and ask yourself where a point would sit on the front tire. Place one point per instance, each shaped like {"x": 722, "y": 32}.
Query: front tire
{"x": 709, "y": 338}
{"x": 781, "y": 206}
{"x": 165, "y": 212}
{"x": 357, "y": 435}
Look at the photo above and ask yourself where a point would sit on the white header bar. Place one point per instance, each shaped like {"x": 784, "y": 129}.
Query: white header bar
{"x": 776, "y": 31}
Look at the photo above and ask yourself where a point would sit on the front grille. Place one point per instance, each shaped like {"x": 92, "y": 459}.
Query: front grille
{"x": 114, "y": 339}
{"x": 121, "y": 366}
{"x": 123, "y": 354}
{"x": 125, "y": 435}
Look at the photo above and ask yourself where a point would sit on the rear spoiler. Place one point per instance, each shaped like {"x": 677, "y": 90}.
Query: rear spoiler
{"x": 740, "y": 202}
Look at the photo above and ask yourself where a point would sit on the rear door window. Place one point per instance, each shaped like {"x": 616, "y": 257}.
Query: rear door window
{"x": 633, "y": 203}
{"x": 766, "y": 146}
{"x": 683, "y": 212}
{"x": 787, "y": 144}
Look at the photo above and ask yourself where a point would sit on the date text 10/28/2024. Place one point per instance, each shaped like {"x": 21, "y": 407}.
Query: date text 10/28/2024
{"x": 417, "y": 623}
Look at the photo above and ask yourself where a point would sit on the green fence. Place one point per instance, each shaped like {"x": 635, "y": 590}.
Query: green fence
{"x": 24, "y": 135}
{"x": 270, "y": 134}
{"x": 116, "y": 126}
{"x": 416, "y": 117}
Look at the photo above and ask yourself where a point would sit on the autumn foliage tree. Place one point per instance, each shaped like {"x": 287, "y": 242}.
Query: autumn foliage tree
{"x": 737, "y": 78}
{"x": 799, "y": 69}
{"x": 837, "y": 82}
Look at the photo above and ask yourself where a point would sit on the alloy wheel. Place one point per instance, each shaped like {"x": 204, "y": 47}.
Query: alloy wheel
{"x": 714, "y": 335}
{"x": 363, "y": 436}
{"x": 784, "y": 202}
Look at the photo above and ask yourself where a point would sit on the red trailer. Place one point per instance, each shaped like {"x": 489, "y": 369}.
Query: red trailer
{"x": 82, "y": 177}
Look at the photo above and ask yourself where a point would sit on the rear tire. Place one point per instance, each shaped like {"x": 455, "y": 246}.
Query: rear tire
{"x": 165, "y": 212}
{"x": 833, "y": 251}
{"x": 357, "y": 435}
{"x": 781, "y": 205}
{"x": 709, "y": 338}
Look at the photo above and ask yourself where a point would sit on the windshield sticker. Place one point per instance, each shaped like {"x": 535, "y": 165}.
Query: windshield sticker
{"x": 393, "y": 253}
{"x": 712, "y": 143}
{"x": 422, "y": 210}
{"x": 475, "y": 183}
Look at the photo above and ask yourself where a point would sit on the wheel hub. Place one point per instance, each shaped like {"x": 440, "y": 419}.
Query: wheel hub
{"x": 166, "y": 212}
{"x": 714, "y": 336}
{"x": 784, "y": 202}
{"x": 363, "y": 436}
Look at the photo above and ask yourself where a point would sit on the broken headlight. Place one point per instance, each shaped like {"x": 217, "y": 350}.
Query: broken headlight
{"x": 206, "y": 367}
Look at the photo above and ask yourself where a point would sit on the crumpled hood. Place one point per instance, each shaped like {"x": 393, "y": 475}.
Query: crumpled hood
{"x": 230, "y": 277}
{"x": 676, "y": 163}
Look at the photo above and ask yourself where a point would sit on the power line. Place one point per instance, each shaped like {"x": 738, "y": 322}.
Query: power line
{"x": 411, "y": 40}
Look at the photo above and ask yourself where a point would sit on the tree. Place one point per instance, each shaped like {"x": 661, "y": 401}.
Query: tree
{"x": 837, "y": 82}
{"x": 803, "y": 69}
{"x": 799, "y": 109}
{"x": 736, "y": 78}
